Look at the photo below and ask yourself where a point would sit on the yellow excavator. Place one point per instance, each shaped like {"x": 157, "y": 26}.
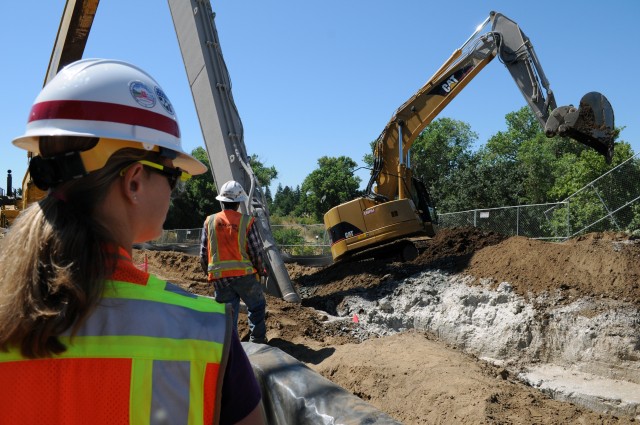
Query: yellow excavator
{"x": 399, "y": 207}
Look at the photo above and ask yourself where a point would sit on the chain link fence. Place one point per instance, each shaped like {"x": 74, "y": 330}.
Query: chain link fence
{"x": 531, "y": 221}
{"x": 294, "y": 239}
{"x": 609, "y": 203}
{"x": 179, "y": 240}
{"x": 302, "y": 239}
{"x": 180, "y": 237}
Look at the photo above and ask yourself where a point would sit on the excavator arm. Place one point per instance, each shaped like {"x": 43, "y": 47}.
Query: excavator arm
{"x": 399, "y": 206}
{"x": 392, "y": 169}
{"x": 590, "y": 124}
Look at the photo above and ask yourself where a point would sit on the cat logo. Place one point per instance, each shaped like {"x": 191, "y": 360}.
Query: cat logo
{"x": 451, "y": 82}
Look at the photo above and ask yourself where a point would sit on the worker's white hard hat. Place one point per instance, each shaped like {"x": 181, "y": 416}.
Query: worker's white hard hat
{"x": 232, "y": 191}
{"x": 111, "y": 100}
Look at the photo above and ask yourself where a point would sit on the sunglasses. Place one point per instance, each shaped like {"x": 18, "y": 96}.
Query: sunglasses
{"x": 173, "y": 175}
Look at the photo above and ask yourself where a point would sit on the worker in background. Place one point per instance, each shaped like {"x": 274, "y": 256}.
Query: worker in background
{"x": 85, "y": 336}
{"x": 231, "y": 255}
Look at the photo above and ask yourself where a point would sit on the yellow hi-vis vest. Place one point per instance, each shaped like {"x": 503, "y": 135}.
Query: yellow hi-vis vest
{"x": 150, "y": 353}
{"x": 227, "y": 233}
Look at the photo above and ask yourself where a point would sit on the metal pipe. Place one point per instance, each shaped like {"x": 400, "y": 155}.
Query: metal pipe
{"x": 478, "y": 29}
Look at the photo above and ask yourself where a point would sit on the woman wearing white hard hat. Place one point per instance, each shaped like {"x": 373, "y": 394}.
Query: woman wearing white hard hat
{"x": 86, "y": 337}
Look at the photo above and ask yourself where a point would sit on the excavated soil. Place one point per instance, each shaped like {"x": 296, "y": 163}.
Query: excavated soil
{"x": 411, "y": 375}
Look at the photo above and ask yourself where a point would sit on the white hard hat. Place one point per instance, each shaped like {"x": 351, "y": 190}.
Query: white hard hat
{"x": 232, "y": 191}
{"x": 107, "y": 99}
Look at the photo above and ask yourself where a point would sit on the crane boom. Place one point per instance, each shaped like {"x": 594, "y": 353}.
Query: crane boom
{"x": 221, "y": 125}
{"x": 71, "y": 39}
{"x": 73, "y": 32}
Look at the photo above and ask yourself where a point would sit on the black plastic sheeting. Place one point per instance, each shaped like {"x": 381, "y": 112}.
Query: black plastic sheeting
{"x": 292, "y": 393}
{"x": 307, "y": 260}
{"x": 187, "y": 249}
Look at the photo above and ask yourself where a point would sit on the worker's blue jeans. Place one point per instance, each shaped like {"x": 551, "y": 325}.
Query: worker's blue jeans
{"x": 249, "y": 290}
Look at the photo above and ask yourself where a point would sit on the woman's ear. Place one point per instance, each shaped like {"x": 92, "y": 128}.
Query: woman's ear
{"x": 132, "y": 182}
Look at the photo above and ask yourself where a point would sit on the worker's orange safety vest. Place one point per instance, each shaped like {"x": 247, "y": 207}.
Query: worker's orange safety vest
{"x": 150, "y": 353}
{"x": 227, "y": 244}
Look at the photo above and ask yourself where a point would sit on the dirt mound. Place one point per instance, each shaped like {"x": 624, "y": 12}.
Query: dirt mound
{"x": 173, "y": 265}
{"x": 451, "y": 248}
{"x": 399, "y": 373}
{"x": 605, "y": 265}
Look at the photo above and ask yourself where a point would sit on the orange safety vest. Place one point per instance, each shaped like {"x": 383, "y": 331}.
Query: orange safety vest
{"x": 150, "y": 353}
{"x": 227, "y": 244}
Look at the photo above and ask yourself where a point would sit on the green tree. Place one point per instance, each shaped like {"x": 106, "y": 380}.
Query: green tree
{"x": 289, "y": 238}
{"x": 522, "y": 125}
{"x": 536, "y": 162}
{"x": 440, "y": 149}
{"x": 268, "y": 197}
{"x": 439, "y": 152}
{"x": 475, "y": 183}
{"x": 515, "y": 166}
{"x": 368, "y": 158}
{"x": 285, "y": 201}
{"x": 574, "y": 172}
{"x": 520, "y": 158}
{"x": 263, "y": 174}
{"x": 331, "y": 184}
{"x": 190, "y": 207}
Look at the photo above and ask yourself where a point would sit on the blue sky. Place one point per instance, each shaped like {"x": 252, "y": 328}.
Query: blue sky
{"x": 322, "y": 78}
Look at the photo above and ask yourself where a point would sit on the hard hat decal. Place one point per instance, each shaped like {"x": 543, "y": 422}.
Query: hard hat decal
{"x": 164, "y": 100}
{"x": 142, "y": 94}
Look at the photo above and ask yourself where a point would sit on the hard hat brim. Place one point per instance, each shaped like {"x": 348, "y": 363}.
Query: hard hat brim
{"x": 240, "y": 198}
{"x": 183, "y": 160}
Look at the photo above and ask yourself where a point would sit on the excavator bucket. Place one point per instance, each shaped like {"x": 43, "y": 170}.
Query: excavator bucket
{"x": 591, "y": 124}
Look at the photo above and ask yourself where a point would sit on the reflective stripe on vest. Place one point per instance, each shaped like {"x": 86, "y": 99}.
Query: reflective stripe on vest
{"x": 173, "y": 343}
{"x": 228, "y": 257}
